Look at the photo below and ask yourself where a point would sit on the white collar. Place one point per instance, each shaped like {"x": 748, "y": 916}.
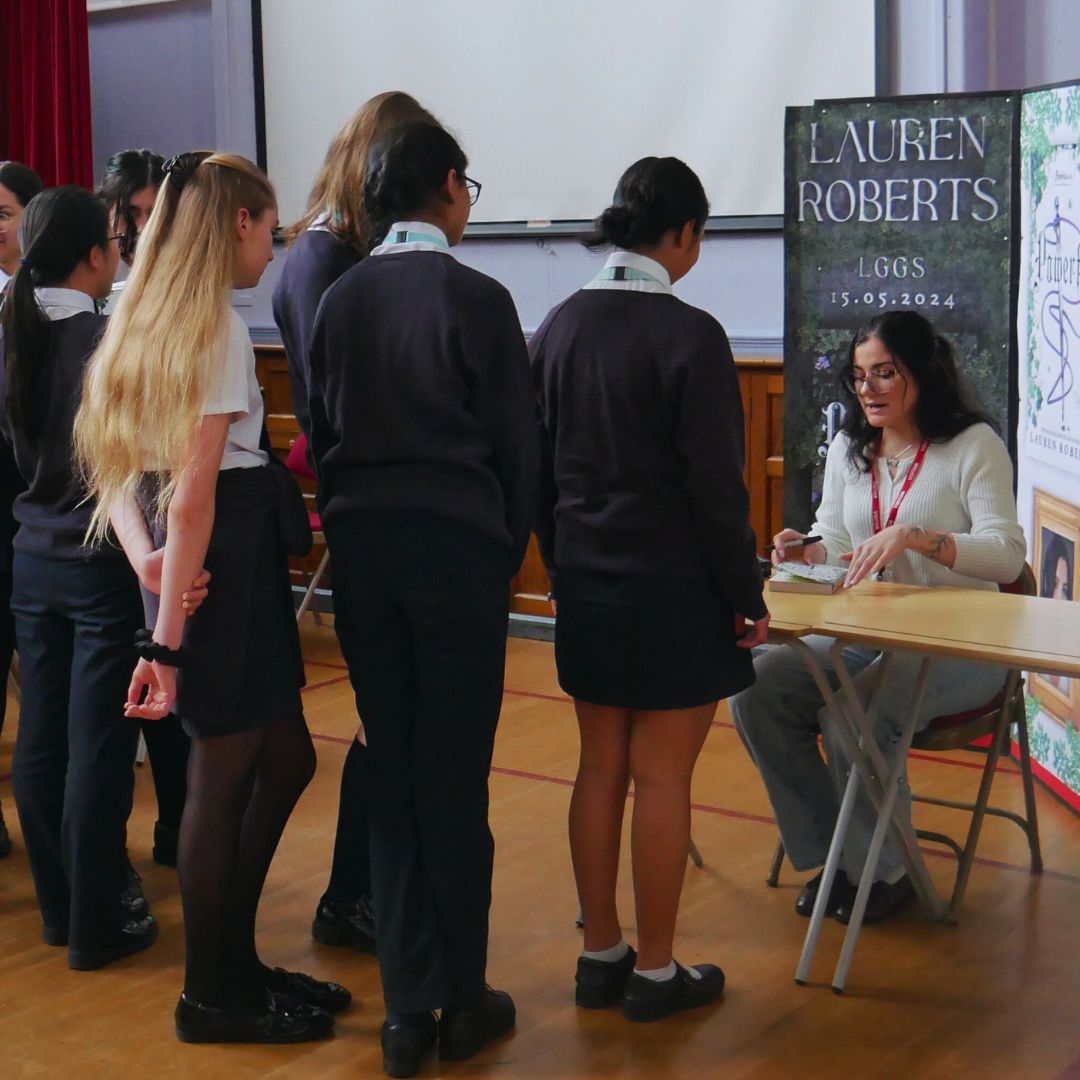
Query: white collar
{"x": 5, "y": 277}
{"x": 415, "y": 236}
{"x": 321, "y": 223}
{"x": 645, "y": 274}
{"x": 63, "y": 303}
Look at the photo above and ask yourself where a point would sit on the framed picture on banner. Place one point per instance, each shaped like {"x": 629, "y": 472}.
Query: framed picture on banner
{"x": 1056, "y": 543}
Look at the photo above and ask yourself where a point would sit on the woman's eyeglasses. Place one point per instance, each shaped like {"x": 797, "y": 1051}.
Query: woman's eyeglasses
{"x": 879, "y": 382}
{"x": 473, "y": 187}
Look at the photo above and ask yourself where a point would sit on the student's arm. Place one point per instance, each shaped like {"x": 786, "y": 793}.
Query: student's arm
{"x": 709, "y": 434}
{"x": 130, "y": 528}
{"x": 502, "y": 400}
{"x": 547, "y": 491}
{"x": 190, "y": 522}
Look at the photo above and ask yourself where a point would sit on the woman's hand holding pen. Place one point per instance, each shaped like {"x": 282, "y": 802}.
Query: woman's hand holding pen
{"x": 791, "y": 546}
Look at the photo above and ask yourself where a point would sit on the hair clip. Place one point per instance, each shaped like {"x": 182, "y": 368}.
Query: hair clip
{"x": 24, "y": 261}
{"x": 179, "y": 169}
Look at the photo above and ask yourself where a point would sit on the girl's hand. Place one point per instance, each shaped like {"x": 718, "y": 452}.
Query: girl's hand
{"x": 755, "y": 636}
{"x": 150, "y": 579}
{"x": 158, "y": 681}
{"x": 873, "y": 555}
{"x": 814, "y": 553}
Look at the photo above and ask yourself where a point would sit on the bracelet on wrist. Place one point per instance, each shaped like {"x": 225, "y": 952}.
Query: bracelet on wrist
{"x": 154, "y": 651}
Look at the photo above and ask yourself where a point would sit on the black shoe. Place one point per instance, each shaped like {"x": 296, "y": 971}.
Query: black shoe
{"x": 646, "y": 1000}
{"x": 280, "y": 1021}
{"x": 405, "y": 1045}
{"x": 54, "y": 935}
{"x": 135, "y": 935}
{"x": 132, "y": 899}
{"x": 166, "y": 839}
{"x": 465, "y": 1032}
{"x": 843, "y": 892}
{"x": 884, "y": 902}
{"x": 328, "y": 996}
{"x": 5, "y": 837}
{"x": 345, "y": 924}
{"x": 601, "y": 984}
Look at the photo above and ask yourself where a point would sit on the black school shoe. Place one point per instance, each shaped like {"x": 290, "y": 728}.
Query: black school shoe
{"x": 884, "y": 902}
{"x": 331, "y": 997}
{"x": 282, "y": 1020}
{"x": 345, "y": 924}
{"x": 465, "y": 1032}
{"x": 134, "y": 936}
{"x": 132, "y": 899}
{"x": 601, "y": 984}
{"x": 842, "y": 894}
{"x": 405, "y": 1045}
{"x": 646, "y": 1000}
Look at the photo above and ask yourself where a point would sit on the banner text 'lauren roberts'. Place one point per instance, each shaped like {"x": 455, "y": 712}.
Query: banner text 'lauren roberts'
{"x": 911, "y": 198}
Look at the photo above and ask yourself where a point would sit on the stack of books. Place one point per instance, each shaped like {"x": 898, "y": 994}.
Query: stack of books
{"x": 807, "y": 578}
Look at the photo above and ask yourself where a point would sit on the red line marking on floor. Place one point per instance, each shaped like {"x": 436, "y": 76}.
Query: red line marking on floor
{"x": 326, "y": 663}
{"x": 332, "y": 738}
{"x": 561, "y": 698}
{"x": 325, "y": 682}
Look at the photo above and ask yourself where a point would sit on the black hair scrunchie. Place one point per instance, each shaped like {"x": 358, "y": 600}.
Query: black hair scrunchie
{"x": 181, "y": 168}
{"x": 149, "y": 649}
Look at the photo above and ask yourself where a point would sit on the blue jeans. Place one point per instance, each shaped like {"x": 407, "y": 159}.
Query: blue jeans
{"x": 778, "y": 717}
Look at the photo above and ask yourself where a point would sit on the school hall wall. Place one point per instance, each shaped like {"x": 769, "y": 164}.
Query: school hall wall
{"x": 178, "y": 75}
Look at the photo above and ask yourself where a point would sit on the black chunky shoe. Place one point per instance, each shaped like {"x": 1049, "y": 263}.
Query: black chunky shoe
{"x": 465, "y": 1032}
{"x": 601, "y": 984}
{"x": 646, "y": 1000}
{"x": 132, "y": 899}
{"x": 843, "y": 892}
{"x": 166, "y": 840}
{"x": 331, "y": 997}
{"x": 134, "y": 936}
{"x": 280, "y": 1021}
{"x": 345, "y": 924}
{"x": 884, "y": 902}
{"x": 405, "y": 1045}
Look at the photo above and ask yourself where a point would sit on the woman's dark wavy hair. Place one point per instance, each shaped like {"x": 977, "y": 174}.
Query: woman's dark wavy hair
{"x": 128, "y": 172}
{"x": 58, "y": 230}
{"x": 943, "y": 409}
{"x": 653, "y": 196}
{"x": 20, "y": 180}
{"x": 405, "y": 169}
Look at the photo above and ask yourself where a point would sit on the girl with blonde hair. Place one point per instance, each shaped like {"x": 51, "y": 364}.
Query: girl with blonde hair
{"x": 333, "y": 235}
{"x": 172, "y": 414}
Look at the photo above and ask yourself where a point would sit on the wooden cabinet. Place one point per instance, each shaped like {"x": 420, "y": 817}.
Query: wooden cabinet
{"x": 761, "y": 382}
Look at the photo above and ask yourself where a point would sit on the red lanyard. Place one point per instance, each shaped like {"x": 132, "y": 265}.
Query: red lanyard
{"x": 875, "y": 495}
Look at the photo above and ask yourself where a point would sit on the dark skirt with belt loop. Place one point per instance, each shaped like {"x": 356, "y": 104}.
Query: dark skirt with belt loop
{"x": 243, "y": 668}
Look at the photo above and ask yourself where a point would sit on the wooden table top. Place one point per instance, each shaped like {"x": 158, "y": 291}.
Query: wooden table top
{"x": 1026, "y": 632}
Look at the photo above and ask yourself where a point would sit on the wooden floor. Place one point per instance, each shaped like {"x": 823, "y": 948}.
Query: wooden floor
{"x": 996, "y": 996}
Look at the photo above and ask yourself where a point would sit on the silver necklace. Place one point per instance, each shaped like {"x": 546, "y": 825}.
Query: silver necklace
{"x": 894, "y": 461}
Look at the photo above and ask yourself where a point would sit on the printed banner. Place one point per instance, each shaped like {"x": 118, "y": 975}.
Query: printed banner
{"x": 1048, "y": 436}
{"x": 893, "y": 204}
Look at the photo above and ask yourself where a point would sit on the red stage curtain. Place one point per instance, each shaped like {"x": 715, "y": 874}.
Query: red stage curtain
{"x": 45, "y": 89}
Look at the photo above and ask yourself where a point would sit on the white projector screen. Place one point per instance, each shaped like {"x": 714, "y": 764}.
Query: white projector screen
{"x": 552, "y": 99}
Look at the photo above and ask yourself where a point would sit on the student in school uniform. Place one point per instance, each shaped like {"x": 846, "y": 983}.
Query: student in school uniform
{"x": 18, "y": 185}
{"x": 334, "y": 235}
{"x": 424, "y": 436}
{"x": 643, "y": 528}
{"x": 129, "y": 188}
{"x": 76, "y": 609}
{"x": 172, "y": 409}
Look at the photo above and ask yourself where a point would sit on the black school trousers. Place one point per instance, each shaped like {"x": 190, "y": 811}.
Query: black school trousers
{"x": 421, "y": 606}
{"x": 75, "y": 622}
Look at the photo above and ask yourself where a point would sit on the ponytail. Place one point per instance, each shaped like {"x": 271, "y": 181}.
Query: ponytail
{"x": 58, "y": 231}
{"x": 654, "y": 196}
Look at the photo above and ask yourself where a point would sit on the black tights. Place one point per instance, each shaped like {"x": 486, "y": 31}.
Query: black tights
{"x": 241, "y": 790}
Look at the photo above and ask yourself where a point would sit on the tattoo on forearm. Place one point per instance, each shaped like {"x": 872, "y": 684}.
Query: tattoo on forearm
{"x": 940, "y": 547}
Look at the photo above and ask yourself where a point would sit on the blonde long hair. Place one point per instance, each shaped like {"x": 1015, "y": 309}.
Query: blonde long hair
{"x": 339, "y": 188}
{"x": 147, "y": 383}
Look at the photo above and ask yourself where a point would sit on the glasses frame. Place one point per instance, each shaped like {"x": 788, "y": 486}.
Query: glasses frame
{"x": 474, "y": 187}
{"x": 879, "y": 382}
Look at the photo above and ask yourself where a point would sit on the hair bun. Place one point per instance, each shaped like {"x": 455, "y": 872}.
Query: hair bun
{"x": 620, "y": 226}
{"x": 181, "y": 168}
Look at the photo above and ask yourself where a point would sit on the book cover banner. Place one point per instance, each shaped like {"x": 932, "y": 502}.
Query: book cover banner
{"x": 890, "y": 205}
{"x": 1048, "y": 435}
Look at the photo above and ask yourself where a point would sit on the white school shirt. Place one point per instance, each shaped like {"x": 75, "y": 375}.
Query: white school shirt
{"x": 630, "y": 272}
{"x": 60, "y": 304}
{"x": 413, "y": 236}
{"x": 236, "y": 390}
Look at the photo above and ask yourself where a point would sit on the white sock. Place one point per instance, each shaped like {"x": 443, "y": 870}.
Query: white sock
{"x": 608, "y": 956}
{"x": 663, "y": 974}
{"x": 893, "y": 876}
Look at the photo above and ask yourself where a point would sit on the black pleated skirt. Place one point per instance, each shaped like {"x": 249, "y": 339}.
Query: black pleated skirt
{"x": 243, "y": 667}
{"x": 637, "y": 642}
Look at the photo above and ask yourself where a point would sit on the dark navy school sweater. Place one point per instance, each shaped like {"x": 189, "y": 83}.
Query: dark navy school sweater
{"x": 641, "y": 426}
{"x": 314, "y": 262}
{"x": 421, "y": 398}
{"x": 51, "y": 512}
